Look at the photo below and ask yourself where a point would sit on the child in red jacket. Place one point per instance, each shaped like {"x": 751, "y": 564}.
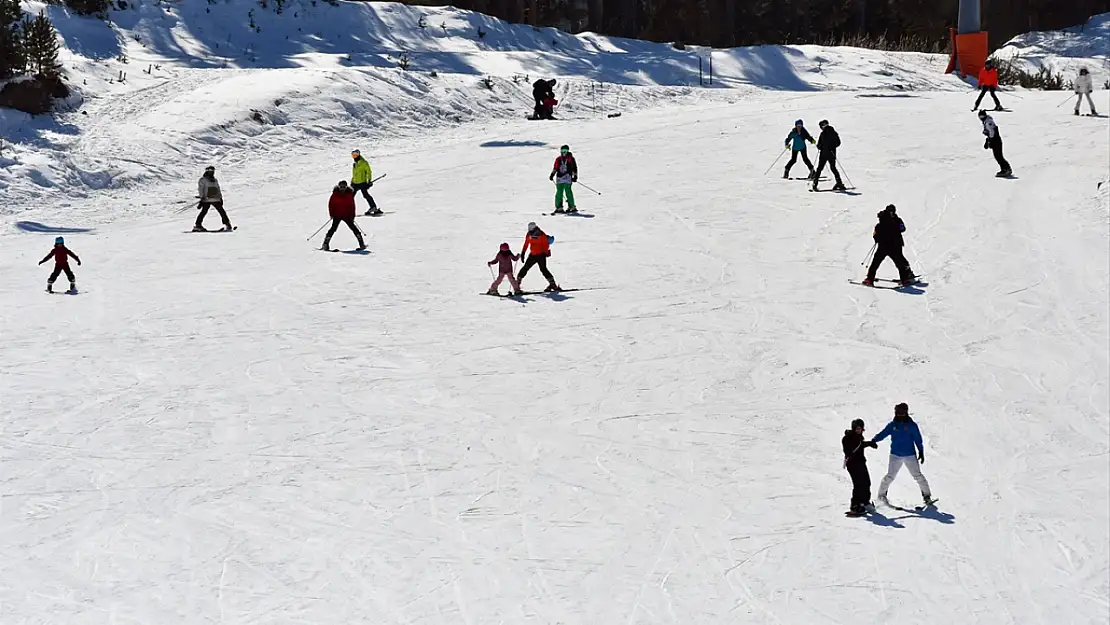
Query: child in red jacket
{"x": 504, "y": 261}
{"x": 61, "y": 255}
{"x": 341, "y": 207}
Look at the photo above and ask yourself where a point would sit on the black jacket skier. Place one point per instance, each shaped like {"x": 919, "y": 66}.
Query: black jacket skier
{"x": 827, "y": 143}
{"x": 889, "y": 243}
{"x": 856, "y": 464}
{"x": 542, "y": 90}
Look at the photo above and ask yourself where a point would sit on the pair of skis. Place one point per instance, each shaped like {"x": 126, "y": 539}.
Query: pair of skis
{"x": 897, "y": 283}
{"x": 931, "y": 504}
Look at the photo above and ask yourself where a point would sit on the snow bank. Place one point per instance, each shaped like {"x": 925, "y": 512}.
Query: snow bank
{"x": 1086, "y": 45}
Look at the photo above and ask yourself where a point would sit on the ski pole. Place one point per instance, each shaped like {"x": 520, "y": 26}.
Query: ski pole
{"x": 1068, "y": 100}
{"x": 319, "y": 229}
{"x": 868, "y": 257}
{"x": 775, "y": 162}
{"x": 491, "y": 272}
{"x": 590, "y": 188}
{"x": 846, "y": 176}
{"x": 185, "y": 208}
{"x": 378, "y": 178}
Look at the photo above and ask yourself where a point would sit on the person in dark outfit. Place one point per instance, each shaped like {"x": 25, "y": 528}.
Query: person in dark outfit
{"x": 796, "y": 140}
{"x": 888, "y": 241}
{"x": 542, "y": 91}
{"x": 994, "y": 143}
{"x": 341, "y": 209}
{"x": 856, "y": 464}
{"x": 827, "y": 144}
{"x": 61, "y": 255}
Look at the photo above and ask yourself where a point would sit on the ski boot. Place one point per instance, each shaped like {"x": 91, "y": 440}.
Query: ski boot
{"x": 558, "y": 211}
{"x": 786, "y": 175}
{"x": 572, "y": 210}
{"x": 839, "y": 187}
{"x": 49, "y": 287}
{"x": 883, "y": 499}
{"x": 813, "y": 187}
{"x": 518, "y": 293}
{"x": 868, "y": 282}
{"x": 493, "y": 292}
{"x": 326, "y": 246}
{"x": 552, "y": 288}
{"x": 1077, "y": 112}
{"x": 199, "y": 228}
{"x": 812, "y": 175}
{"x": 999, "y": 108}
{"x": 228, "y": 227}
{"x": 72, "y": 289}
{"x": 928, "y": 500}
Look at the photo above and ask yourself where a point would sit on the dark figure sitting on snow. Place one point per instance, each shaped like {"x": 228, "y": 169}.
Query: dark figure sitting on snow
{"x": 544, "y": 95}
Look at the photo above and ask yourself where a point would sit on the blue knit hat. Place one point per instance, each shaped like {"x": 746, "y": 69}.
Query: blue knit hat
{"x": 59, "y": 241}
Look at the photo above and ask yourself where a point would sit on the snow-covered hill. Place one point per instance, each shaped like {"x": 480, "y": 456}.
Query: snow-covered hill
{"x": 238, "y": 428}
{"x": 1065, "y": 51}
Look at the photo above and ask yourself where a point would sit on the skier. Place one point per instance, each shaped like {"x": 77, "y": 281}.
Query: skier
{"x": 1083, "y": 87}
{"x": 362, "y": 178}
{"x": 504, "y": 261}
{"x": 888, "y": 244}
{"x": 208, "y": 190}
{"x": 993, "y": 142}
{"x": 856, "y": 464}
{"x": 905, "y": 439}
{"x": 566, "y": 168}
{"x": 827, "y": 143}
{"x": 61, "y": 255}
{"x": 542, "y": 92}
{"x": 988, "y": 81}
{"x": 341, "y": 208}
{"x": 539, "y": 243}
{"x": 797, "y": 141}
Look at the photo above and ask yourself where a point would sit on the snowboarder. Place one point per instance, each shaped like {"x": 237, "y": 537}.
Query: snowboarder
{"x": 539, "y": 243}
{"x": 856, "y": 464}
{"x": 1083, "y": 87}
{"x": 905, "y": 440}
{"x": 988, "y": 82}
{"x": 566, "y": 168}
{"x": 61, "y": 255}
{"x": 796, "y": 140}
{"x": 341, "y": 208}
{"x": 888, "y": 244}
{"x": 362, "y": 178}
{"x": 504, "y": 261}
{"x": 827, "y": 143}
{"x": 544, "y": 95}
{"x": 993, "y": 142}
{"x": 208, "y": 190}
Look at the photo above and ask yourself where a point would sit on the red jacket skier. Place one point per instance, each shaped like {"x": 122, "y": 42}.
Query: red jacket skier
{"x": 61, "y": 255}
{"x": 341, "y": 208}
{"x": 540, "y": 244}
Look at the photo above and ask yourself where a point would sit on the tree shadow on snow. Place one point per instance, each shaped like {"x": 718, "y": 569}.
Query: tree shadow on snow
{"x": 91, "y": 38}
{"x": 513, "y": 143}
{"x": 39, "y": 228}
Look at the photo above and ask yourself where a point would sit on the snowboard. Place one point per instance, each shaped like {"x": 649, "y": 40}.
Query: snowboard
{"x": 233, "y": 229}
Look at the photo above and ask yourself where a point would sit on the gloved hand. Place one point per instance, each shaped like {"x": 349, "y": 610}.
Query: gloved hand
{"x": 574, "y": 178}
{"x": 987, "y": 144}
{"x": 921, "y": 457}
{"x": 872, "y": 444}
{"x": 78, "y": 263}
{"x": 370, "y": 183}
{"x": 551, "y": 177}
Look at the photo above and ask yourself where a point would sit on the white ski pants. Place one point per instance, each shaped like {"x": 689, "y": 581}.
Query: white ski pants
{"x": 1079, "y": 100}
{"x": 912, "y": 466}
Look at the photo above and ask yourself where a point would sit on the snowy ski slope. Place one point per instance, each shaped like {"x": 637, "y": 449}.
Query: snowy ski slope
{"x": 239, "y": 428}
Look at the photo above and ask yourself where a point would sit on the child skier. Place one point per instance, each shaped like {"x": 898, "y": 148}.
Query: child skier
{"x": 208, "y": 190}
{"x": 988, "y": 82}
{"x": 61, "y": 255}
{"x": 796, "y": 140}
{"x": 362, "y": 178}
{"x": 994, "y": 144}
{"x": 905, "y": 439}
{"x": 856, "y": 464}
{"x": 341, "y": 208}
{"x": 888, "y": 244}
{"x": 504, "y": 261}
{"x": 566, "y": 168}
{"x": 540, "y": 244}
{"x": 1083, "y": 87}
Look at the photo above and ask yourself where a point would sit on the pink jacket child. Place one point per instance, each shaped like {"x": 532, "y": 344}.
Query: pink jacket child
{"x": 504, "y": 261}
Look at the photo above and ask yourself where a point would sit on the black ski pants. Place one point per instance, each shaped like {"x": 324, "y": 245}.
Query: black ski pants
{"x": 895, "y": 254}
{"x": 58, "y": 269}
{"x": 364, "y": 187}
{"x": 794, "y": 159}
{"x": 996, "y": 148}
{"x": 350, "y": 221}
{"x": 536, "y": 259}
{"x": 861, "y": 484}
{"x": 982, "y": 92}
{"x": 828, "y": 157}
{"x": 219, "y": 206}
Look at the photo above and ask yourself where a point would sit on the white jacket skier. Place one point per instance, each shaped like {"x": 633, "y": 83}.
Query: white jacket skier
{"x": 1084, "y": 86}
{"x": 208, "y": 189}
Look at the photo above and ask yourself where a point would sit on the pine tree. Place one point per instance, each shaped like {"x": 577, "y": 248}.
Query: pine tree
{"x": 12, "y": 59}
{"x": 89, "y": 7}
{"x": 40, "y": 44}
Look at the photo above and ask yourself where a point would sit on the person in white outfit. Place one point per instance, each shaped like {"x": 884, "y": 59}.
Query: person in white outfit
{"x": 208, "y": 191}
{"x": 906, "y": 449}
{"x": 1083, "y": 87}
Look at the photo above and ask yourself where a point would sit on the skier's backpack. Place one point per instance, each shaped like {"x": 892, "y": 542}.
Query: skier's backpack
{"x": 834, "y": 139}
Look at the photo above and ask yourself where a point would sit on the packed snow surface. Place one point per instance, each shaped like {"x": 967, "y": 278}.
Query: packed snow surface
{"x": 238, "y": 428}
